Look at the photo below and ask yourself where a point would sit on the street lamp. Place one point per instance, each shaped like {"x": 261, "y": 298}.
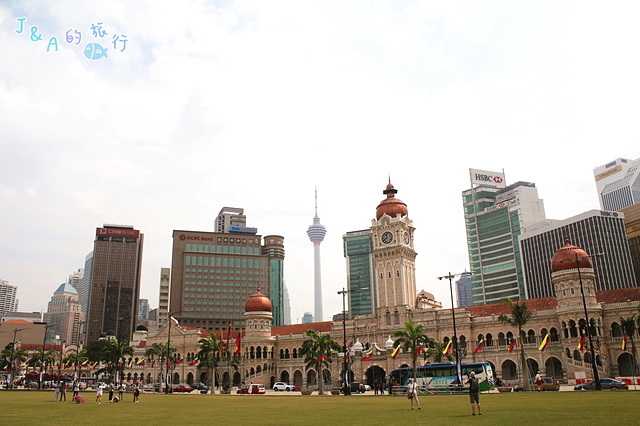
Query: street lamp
{"x": 170, "y": 325}
{"x": 75, "y": 367}
{"x": 347, "y": 388}
{"x": 594, "y": 364}
{"x": 13, "y": 355}
{"x": 455, "y": 335}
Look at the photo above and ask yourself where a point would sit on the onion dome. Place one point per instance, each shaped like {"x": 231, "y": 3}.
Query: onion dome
{"x": 142, "y": 327}
{"x": 391, "y": 205}
{"x": 258, "y": 302}
{"x": 357, "y": 346}
{"x": 565, "y": 258}
{"x": 389, "y": 343}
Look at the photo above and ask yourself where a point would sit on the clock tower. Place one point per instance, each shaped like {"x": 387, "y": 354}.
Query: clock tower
{"x": 394, "y": 258}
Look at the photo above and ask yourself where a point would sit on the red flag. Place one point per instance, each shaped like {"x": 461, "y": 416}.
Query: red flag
{"x": 322, "y": 357}
{"x": 582, "y": 341}
{"x": 228, "y": 336}
{"x": 194, "y": 362}
{"x": 180, "y": 361}
{"x": 238, "y": 341}
{"x": 153, "y": 363}
{"x": 513, "y": 344}
{"x": 479, "y": 347}
{"x": 420, "y": 349}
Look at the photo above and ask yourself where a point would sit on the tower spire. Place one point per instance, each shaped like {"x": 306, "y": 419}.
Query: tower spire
{"x": 316, "y": 233}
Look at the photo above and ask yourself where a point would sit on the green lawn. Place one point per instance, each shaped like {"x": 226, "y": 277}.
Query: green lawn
{"x": 567, "y": 408}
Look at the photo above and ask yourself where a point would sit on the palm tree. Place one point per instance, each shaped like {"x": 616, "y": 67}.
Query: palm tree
{"x": 232, "y": 362}
{"x": 113, "y": 354}
{"x": 317, "y": 350}
{"x": 436, "y": 351}
{"x": 518, "y": 317}
{"x": 157, "y": 351}
{"x": 42, "y": 359}
{"x": 15, "y": 357}
{"x": 209, "y": 356}
{"x": 629, "y": 326}
{"x": 411, "y": 339}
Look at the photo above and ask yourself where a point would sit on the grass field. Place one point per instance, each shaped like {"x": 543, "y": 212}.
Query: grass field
{"x": 567, "y": 408}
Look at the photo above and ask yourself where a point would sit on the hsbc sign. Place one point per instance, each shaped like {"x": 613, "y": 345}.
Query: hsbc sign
{"x": 486, "y": 178}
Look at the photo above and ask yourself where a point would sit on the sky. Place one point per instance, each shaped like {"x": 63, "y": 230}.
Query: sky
{"x": 197, "y": 105}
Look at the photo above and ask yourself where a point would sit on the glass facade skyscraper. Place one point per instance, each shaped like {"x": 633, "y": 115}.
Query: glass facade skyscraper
{"x": 358, "y": 247}
{"x": 494, "y": 217}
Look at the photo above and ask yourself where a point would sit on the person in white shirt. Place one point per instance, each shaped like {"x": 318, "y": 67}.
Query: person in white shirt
{"x": 412, "y": 393}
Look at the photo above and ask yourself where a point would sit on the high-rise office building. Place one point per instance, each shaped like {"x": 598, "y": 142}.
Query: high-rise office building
{"x": 286, "y": 305}
{"x": 358, "y": 250}
{"x": 65, "y": 316}
{"x": 85, "y": 287}
{"x": 115, "y": 282}
{"x": 632, "y": 225}
{"x": 8, "y": 298}
{"x": 75, "y": 279}
{"x": 307, "y": 318}
{"x": 600, "y": 233}
{"x": 143, "y": 309}
{"x": 495, "y": 215}
{"x": 618, "y": 184}
{"x": 213, "y": 274}
{"x": 316, "y": 233}
{"x": 464, "y": 290}
{"x": 163, "y": 300}
{"x": 229, "y": 219}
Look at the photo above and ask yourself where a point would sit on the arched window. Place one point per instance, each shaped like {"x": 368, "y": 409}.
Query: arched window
{"x": 463, "y": 342}
{"x": 295, "y": 353}
{"x": 576, "y": 355}
{"x": 501, "y": 339}
{"x": 489, "y": 340}
{"x": 388, "y": 317}
{"x": 281, "y": 353}
{"x": 553, "y": 334}
{"x": 565, "y": 330}
{"x": 531, "y": 336}
{"x": 616, "y": 330}
{"x": 573, "y": 330}
{"x": 568, "y": 352}
{"x": 396, "y": 316}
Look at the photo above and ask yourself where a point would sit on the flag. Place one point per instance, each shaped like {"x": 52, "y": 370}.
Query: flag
{"x": 86, "y": 361}
{"x": 395, "y": 352}
{"x": 447, "y": 349}
{"x": 513, "y": 344}
{"x": 420, "y": 349}
{"x": 180, "y": 361}
{"x": 153, "y": 363}
{"x": 238, "y": 341}
{"x": 228, "y": 336}
{"x": 367, "y": 355}
{"x": 130, "y": 363}
{"x": 322, "y": 357}
{"x": 545, "y": 343}
{"x": 624, "y": 342}
{"x": 95, "y": 365}
{"x": 347, "y": 356}
{"x": 479, "y": 347}
{"x": 582, "y": 341}
{"x": 195, "y": 361}
{"x": 140, "y": 362}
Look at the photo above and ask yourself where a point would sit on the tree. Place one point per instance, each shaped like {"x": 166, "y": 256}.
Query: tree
{"x": 231, "y": 361}
{"x": 15, "y": 358}
{"x": 412, "y": 338}
{"x": 436, "y": 351}
{"x": 42, "y": 359}
{"x": 208, "y": 357}
{"x": 317, "y": 350}
{"x": 112, "y": 353}
{"x": 157, "y": 351}
{"x": 629, "y": 326}
{"x": 519, "y": 317}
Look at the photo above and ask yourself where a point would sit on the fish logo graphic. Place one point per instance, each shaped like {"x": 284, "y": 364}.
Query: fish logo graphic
{"x": 95, "y": 51}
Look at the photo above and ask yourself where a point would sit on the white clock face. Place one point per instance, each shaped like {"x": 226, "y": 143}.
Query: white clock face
{"x": 387, "y": 237}
{"x": 406, "y": 238}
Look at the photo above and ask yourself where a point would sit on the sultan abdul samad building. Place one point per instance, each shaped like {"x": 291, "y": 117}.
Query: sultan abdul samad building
{"x": 271, "y": 354}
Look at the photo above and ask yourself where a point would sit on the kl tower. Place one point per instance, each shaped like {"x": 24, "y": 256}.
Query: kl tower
{"x": 316, "y": 233}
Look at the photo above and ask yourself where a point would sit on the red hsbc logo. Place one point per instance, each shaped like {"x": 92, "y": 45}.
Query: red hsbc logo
{"x": 497, "y": 179}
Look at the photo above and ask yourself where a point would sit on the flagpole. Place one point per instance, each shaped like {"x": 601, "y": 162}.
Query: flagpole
{"x": 450, "y": 276}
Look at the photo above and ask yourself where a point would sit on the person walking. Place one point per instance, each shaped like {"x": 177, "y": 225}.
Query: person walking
{"x": 412, "y": 393}
{"x": 136, "y": 394}
{"x": 539, "y": 381}
{"x": 76, "y": 388}
{"x": 99, "y": 394}
{"x": 121, "y": 390}
{"x": 474, "y": 392}
{"x": 110, "y": 391}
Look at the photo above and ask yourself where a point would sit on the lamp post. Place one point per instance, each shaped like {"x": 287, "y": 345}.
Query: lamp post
{"x": 170, "y": 325}
{"x": 75, "y": 367}
{"x": 594, "y": 364}
{"x": 44, "y": 346}
{"x": 13, "y": 356}
{"x": 347, "y": 388}
{"x": 450, "y": 277}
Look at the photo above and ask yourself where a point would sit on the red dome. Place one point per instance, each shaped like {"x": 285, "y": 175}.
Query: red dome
{"x": 565, "y": 258}
{"x": 391, "y": 205}
{"x": 258, "y": 303}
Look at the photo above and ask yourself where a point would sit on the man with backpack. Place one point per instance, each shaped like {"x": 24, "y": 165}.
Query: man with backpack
{"x": 474, "y": 392}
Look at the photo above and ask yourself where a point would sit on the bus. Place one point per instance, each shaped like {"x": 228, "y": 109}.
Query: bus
{"x": 442, "y": 376}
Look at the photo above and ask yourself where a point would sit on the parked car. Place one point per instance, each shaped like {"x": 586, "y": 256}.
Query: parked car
{"x": 200, "y": 386}
{"x": 181, "y": 389}
{"x": 611, "y": 384}
{"x": 282, "y": 386}
{"x": 252, "y": 390}
{"x": 356, "y": 387}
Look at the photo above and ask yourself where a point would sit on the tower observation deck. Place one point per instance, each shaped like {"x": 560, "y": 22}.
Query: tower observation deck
{"x": 316, "y": 233}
